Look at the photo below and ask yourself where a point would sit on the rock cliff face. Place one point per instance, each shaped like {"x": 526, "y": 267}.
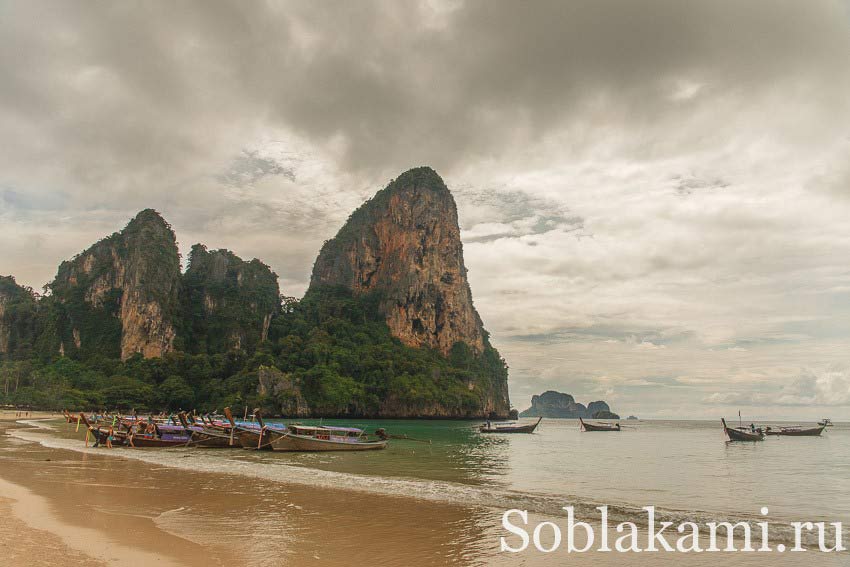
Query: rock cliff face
{"x": 18, "y": 319}
{"x": 405, "y": 244}
{"x": 228, "y": 303}
{"x": 120, "y": 297}
{"x": 557, "y": 404}
{"x": 403, "y": 249}
{"x": 284, "y": 390}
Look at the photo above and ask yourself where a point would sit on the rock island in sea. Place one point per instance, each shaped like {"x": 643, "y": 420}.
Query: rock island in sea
{"x": 558, "y": 404}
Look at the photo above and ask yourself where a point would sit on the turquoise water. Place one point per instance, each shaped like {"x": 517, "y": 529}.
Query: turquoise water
{"x": 678, "y": 465}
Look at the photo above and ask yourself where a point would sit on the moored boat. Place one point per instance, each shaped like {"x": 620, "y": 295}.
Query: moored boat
{"x": 510, "y": 428}
{"x": 101, "y": 433}
{"x": 826, "y": 422}
{"x": 314, "y": 438}
{"x": 796, "y": 431}
{"x": 206, "y": 436}
{"x": 585, "y": 426}
{"x": 250, "y": 435}
{"x": 325, "y": 438}
{"x": 740, "y": 434}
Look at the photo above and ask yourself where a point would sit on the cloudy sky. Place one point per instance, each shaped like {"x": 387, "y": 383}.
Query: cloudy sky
{"x": 654, "y": 196}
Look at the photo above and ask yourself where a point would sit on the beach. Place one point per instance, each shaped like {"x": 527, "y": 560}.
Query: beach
{"x": 106, "y": 510}
{"x": 101, "y": 507}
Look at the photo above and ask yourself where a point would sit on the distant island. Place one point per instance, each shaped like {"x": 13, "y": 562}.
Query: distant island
{"x": 558, "y": 404}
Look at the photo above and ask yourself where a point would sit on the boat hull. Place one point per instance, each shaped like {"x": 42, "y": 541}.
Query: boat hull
{"x": 250, "y": 439}
{"x": 813, "y": 432}
{"x": 511, "y": 429}
{"x": 311, "y": 444}
{"x": 142, "y": 442}
{"x": 211, "y": 440}
{"x": 101, "y": 436}
{"x": 595, "y": 427}
{"x": 738, "y": 435}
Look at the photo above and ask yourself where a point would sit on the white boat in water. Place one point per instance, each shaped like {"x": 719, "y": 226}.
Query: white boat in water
{"x": 323, "y": 438}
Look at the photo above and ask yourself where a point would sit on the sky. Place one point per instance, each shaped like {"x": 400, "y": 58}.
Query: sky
{"x": 653, "y": 196}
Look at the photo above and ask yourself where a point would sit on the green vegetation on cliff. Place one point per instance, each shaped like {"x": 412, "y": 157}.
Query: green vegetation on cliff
{"x": 339, "y": 349}
{"x": 18, "y": 319}
{"x": 227, "y": 302}
{"x": 334, "y": 346}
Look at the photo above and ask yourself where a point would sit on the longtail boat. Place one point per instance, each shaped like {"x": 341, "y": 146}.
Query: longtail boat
{"x": 585, "y": 426}
{"x": 101, "y": 433}
{"x": 796, "y": 431}
{"x": 314, "y": 438}
{"x": 510, "y": 428}
{"x": 826, "y": 422}
{"x": 310, "y": 438}
{"x": 158, "y": 436}
{"x": 249, "y": 435}
{"x": 740, "y": 434}
{"x": 206, "y": 437}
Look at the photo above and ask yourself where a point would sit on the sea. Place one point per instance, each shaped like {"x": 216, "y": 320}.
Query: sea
{"x": 686, "y": 470}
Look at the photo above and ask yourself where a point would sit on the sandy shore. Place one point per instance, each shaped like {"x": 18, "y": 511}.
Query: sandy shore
{"x": 91, "y": 507}
{"x": 111, "y": 510}
{"x": 14, "y": 415}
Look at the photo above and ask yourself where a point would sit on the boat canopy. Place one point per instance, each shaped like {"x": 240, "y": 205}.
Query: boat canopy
{"x": 325, "y": 428}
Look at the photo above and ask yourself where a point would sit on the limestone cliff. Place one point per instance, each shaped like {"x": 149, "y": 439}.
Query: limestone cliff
{"x": 283, "y": 390}
{"x": 403, "y": 249}
{"x": 405, "y": 244}
{"x": 228, "y": 303}
{"x": 120, "y": 297}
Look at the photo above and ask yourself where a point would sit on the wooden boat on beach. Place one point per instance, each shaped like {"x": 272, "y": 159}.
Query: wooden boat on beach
{"x": 311, "y": 438}
{"x": 138, "y": 434}
{"x": 314, "y": 438}
{"x": 208, "y": 437}
{"x": 250, "y": 435}
{"x": 164, "y": 436}
{"x": 101, "y": 433}
{"x": 585, "y": 426}
{"x": 796, "y": 431}
{"x": 741, "y": 434}
{"x": 510, "y": 428}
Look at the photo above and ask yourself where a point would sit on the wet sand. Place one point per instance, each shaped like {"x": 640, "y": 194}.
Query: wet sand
{"x": 93, "y": 508}
{"x": 132, "y": 513}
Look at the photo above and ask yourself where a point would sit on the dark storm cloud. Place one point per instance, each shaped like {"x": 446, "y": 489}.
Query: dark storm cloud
{"x": 144, "y": 83}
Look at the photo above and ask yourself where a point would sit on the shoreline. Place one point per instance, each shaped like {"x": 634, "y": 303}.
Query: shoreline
{"x": 139, "y": 511}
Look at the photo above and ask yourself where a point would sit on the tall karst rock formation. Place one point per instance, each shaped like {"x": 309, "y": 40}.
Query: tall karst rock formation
{"x": 120, "y": 297}
{"x": 228, "y": 303}
{"x": 404, "y": 245}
